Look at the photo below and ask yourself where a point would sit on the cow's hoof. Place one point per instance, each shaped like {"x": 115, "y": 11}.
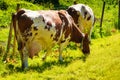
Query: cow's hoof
{"x": 24, "y": 68}
{"x": 43, "y": 58}
{"x": 86, "y": 52}
{"x": 60, "y": 59}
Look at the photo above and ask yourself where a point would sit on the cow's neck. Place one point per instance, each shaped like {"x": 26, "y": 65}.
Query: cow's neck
{"x": 76, "y": 35}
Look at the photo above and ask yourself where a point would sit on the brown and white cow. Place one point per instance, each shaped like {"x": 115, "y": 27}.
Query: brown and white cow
{"x": 83, "y": 17}
{"x": 38, "y": 30}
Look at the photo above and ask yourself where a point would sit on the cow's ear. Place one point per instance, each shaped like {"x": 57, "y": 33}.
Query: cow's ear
{"x": 83, "y": 8}
{"x": 70, "y": 9}
{"x": 83, "y": 11}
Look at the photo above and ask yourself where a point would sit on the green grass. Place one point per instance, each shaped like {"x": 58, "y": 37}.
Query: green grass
{"x": 3, "y": 34}
{"x": 102, "y": 64}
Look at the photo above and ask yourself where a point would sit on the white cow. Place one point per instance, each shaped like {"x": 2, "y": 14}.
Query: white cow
{"x": 83, "y": 17}
{"x": 41, "y": 30}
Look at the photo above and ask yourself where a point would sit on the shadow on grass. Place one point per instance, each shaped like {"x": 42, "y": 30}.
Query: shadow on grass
{"x": 11, "y": 69}
{"x": 49, "y": 65}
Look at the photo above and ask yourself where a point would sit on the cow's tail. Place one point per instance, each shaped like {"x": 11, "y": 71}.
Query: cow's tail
{"x": 17, "y": 32}
{"x": 14, "y": 22}
{"x": 15, "y": 17}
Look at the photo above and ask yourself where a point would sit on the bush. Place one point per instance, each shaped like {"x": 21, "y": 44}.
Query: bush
{"x": 54, "y": 2}
{"x": 3, "y": 5}
{"x": 96, "y": 31}
{"x": 111, "y": 2}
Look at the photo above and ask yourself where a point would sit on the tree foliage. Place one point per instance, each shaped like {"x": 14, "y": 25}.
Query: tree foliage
{"x": 3, "y": 5}
{"x": 54, "y": 2}
{"x": 111, "y": 1}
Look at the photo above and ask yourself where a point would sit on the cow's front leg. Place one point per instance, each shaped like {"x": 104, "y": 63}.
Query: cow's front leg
{"x": 24, "y": 58}
{"x": 60, "y": 52}
{"x": 46, "y": 54}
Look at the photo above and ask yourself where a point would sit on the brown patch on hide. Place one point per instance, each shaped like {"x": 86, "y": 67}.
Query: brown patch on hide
{"x": 74, "y": 14}
{"x": 24, "y": 21}
{"x": 51, "y": 35}
{"x": 70, "y": 28}
{"x": 62, "y": 41}
{"x": 35, "y": 28}
{"x": 76, "y": 35}
{"x": 67, "y": 27}
{"x": 85, "y": 14}
{"x": 89, "y": 18}
{"x": 30, "y": 34}
{"x": 36, "y": 34}
{"x": 48, "y": 25}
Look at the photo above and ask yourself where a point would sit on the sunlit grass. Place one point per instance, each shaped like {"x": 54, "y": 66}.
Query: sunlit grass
{"x": 102, "y": 64}
{"x": 4, "y": 34}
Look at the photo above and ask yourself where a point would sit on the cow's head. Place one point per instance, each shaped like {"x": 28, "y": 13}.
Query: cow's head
{"x": 83, "y": 17}
{"x": 86, "y": 48}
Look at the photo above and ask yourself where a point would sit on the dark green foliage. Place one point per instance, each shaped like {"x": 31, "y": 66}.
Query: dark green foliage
{"x": 54, "y": 2}
{"x": 110, "y": 20}
{"x": 3, "y": 5}
{"x": 72, "y": 46}
{"x": 111, "y": 2}
{"x": 96, "y": 32}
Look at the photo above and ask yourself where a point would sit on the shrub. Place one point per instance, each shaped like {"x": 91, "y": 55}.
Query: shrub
{"x": 96, "y": 31}
{"x": 3, "y": 5}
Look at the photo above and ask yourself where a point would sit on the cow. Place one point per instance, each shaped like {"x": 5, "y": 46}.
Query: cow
{"x": 83, "y": 17}
{"x": 42, "y": 29}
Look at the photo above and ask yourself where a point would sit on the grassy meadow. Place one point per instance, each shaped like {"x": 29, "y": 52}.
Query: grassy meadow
{"x": 103, "y": 63}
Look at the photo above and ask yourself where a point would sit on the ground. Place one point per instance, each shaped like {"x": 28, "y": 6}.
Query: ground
{"x": 103, "y": 63}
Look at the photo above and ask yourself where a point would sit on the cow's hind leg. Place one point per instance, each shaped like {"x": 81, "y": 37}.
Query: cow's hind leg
{"x": 60, "y": 54}
{"x": 61, "y": 46}
{"x": 24, "y": 58}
